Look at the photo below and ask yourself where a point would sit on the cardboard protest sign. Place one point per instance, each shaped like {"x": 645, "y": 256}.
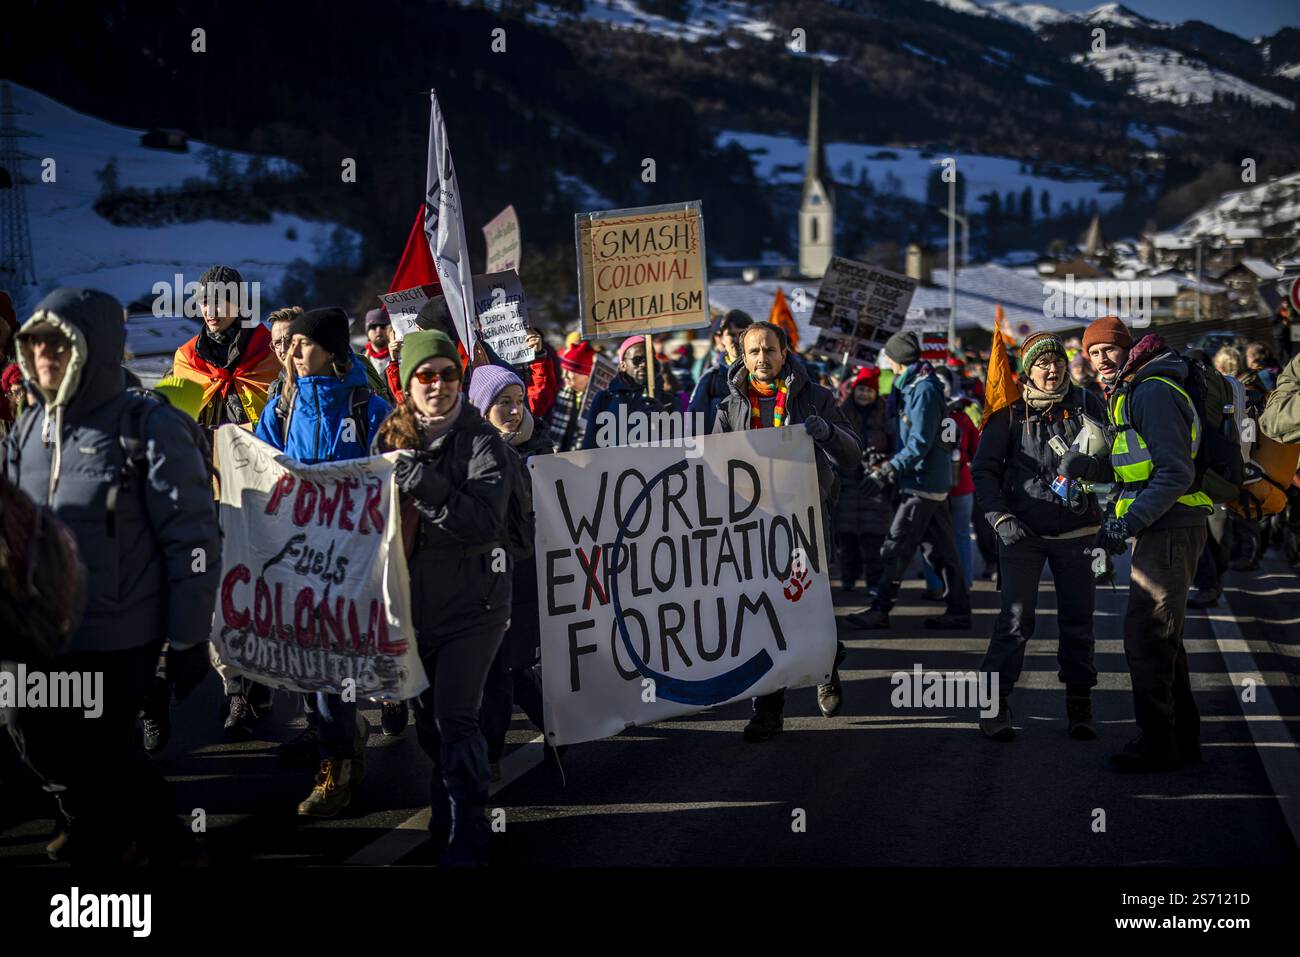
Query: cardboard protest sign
{"x": 859, "y": 306}
{"x": 314, "y": 588}
{"x": 642, "y": 270}
{"x": 404, "y": 305}
{"x": 503, "y": 241}
{"x": 673, "y": 578}
{"x": 502, "y": 316}
{"x": 603, "y": 370}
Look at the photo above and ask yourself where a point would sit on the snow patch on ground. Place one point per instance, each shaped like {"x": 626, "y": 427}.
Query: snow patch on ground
{"x": 73, "y": 245}
{"x": 1162, "y": 74}
{"x": 780, "y": 159}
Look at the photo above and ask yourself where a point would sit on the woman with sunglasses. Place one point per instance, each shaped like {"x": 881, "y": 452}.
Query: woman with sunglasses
{"x": 456, "y": 484}
{"x": 325, "y": 412}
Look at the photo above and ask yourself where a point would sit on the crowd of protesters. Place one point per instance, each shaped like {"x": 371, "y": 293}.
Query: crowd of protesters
{"x": 1098, "y": 447}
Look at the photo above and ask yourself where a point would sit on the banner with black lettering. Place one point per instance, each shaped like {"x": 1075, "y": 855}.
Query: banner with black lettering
{"x": 677, "y": 577}
{"x": 315, "y": 594}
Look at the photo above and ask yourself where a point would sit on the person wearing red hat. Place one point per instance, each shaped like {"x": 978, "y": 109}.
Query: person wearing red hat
{"x": 1162, "y": 505}
{"x": 561, "y": 422}
{"x": 863, "y": 512}
{"x": 13, "y": 397}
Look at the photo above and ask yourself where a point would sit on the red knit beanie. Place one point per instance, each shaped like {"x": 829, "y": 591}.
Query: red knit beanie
{"x": 1109, "y": 330}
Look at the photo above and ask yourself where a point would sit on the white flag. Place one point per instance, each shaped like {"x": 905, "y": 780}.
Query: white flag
{"x": 444, "y": 228}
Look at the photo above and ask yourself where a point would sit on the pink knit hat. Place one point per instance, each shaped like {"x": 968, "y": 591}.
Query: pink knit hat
{"x": 628, "y": 343}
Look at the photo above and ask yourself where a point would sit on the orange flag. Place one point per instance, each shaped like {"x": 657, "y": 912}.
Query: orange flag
{"x": 1000, "y": 387}
{"x": 1002, "y": 326}
{"x": 782, "y": 317}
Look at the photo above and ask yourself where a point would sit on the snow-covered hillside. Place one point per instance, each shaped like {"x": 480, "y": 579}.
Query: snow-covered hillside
{"x": 1271, "y": 208}
{"x": 780, "y": 159}
{"x": 73, "y": 246}
{"x": 1162, "y": 74}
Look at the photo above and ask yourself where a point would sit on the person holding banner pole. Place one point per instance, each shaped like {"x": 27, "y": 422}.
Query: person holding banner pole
{"x": 630, "y": 388}
{"x": 770, "y": 389}
{"x": 325, "y": 412}
{"x": 456, "y": 486}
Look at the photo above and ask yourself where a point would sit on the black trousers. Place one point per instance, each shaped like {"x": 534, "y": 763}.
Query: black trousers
{"x": 925, "y": 523}
{"x": 505, "y": 687}
{"x": 107, "y": 789}
{"x": 1164, "y": 561}
{"x": 1020, "y": 567}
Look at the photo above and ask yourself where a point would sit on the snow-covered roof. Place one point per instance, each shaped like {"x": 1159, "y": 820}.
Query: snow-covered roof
{"x": 1261, "y": 268}
{"x": 1183, "y": 281}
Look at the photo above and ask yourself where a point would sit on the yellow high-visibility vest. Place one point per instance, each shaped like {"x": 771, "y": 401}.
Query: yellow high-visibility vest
{"x": 1131, "y": 458}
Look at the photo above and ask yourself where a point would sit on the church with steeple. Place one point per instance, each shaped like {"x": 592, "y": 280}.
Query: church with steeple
{"x": 817, "y": 208}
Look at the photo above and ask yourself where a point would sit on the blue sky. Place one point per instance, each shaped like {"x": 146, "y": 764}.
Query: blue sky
{"x": 1246, "y": 18}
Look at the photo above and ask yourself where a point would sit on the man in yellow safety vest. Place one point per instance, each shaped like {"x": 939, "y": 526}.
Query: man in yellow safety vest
{"x": 1157, "y": 435}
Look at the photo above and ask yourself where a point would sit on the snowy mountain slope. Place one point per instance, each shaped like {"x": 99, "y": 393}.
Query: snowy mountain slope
{"x": 780, "y": 159}
{"x": 1272, "y": 208}
{"x": 73, "y": 246}
{"x": 1163, "y": 74}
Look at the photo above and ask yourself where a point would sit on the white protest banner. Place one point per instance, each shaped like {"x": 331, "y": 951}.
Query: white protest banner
{"x": 502, "y": 316}
{"x": 314, "y": 594}
{"x": 603, "y": 370}
{"x": 404, "y": 305}
{"x": 672, "y": 579}
{"x": 860, "y": 306}
{"x": 444, "y": 227}
{"x": 503, "y": 241}
{"x": 642, "y": 270}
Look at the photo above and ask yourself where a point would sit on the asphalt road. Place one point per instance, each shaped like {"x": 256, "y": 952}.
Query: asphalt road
{"x": 874, "y": 786}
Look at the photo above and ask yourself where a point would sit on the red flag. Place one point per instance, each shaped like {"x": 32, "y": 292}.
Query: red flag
{"x": 416, "y": 267}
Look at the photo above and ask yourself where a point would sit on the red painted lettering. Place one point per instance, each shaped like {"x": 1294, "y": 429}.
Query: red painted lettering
{"x": 282, "y": 488}
{"x": 371, "y": 509}
{"x": 262, "y": 608}
{"x": 305, "y": 624}
{"x": 345, "y": 517}
{"x": 304, "y": 504}
{"x": 233, "y": 617}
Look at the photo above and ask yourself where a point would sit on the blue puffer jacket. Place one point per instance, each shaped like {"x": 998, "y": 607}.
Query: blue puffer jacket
{"x": 316, "y": 430}
{"x": 66, "y": 451}
{"x": 922, "y": 462}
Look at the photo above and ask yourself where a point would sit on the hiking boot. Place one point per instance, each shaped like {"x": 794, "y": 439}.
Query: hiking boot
{"x": 240, "y": 718}
{"x": 1078, "y": 713}
{"x": 829, "y": 695}
{"x": 764, "y": 726}
{"x": 1137, "y": 758}
{"x": 872, "y": 618}
{"x": 932, "y": 594}
{"x": 302, "y": 750}
{"x": 948, "y": 622}
{"x": 333, "y": 789}
{"x": 1204, "y": 598}
{"x": 393, "y": 718}
{"x": 998, "y": 727}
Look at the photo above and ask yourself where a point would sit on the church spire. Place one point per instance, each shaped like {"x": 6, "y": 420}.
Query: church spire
{"x": 816, "y": 211}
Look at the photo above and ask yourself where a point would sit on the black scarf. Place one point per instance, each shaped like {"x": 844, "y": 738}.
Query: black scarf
{"x": 224, "y": 348}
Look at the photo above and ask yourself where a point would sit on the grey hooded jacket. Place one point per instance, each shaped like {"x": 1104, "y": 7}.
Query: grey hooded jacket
{"x": 154, "y": 574}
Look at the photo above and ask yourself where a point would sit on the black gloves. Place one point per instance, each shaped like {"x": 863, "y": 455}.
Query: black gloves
{"x": 1080, "y": 465}
{"x": 1114, "y": 536}
{"x": 186, "y": 668}
{"x": 818, "y": 428}
{"x": 407, "y": 472}
{"x": 880, "y": 478}
{"x": 1009, "y": 530}
{"x": 417, "y": 479}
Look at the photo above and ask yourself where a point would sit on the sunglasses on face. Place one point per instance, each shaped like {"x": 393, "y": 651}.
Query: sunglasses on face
{"x": 430, "y": 376}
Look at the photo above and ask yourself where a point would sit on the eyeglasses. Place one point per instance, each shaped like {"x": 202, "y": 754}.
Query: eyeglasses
{"x": 429, "y": 376}
{"x": 280, "y": 345}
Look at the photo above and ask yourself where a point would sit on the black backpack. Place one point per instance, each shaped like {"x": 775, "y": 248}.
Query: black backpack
{"x": 521, "y": 523}
{"x": 132, "y": 434}
{"x": 1220, "y": 468}
{"x": 42, "y": 579}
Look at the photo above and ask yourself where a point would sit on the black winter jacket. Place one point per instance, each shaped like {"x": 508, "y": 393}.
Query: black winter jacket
{"x": 462, "y": 492}
{"x": 806, "y": 398}
{"x": 523, "y": 640}
{"x": 1014, "y": 466}
{"x": 864, "y": 507}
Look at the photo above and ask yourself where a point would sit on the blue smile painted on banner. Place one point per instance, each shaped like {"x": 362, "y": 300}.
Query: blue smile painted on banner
{"x": 706, "y": 691}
